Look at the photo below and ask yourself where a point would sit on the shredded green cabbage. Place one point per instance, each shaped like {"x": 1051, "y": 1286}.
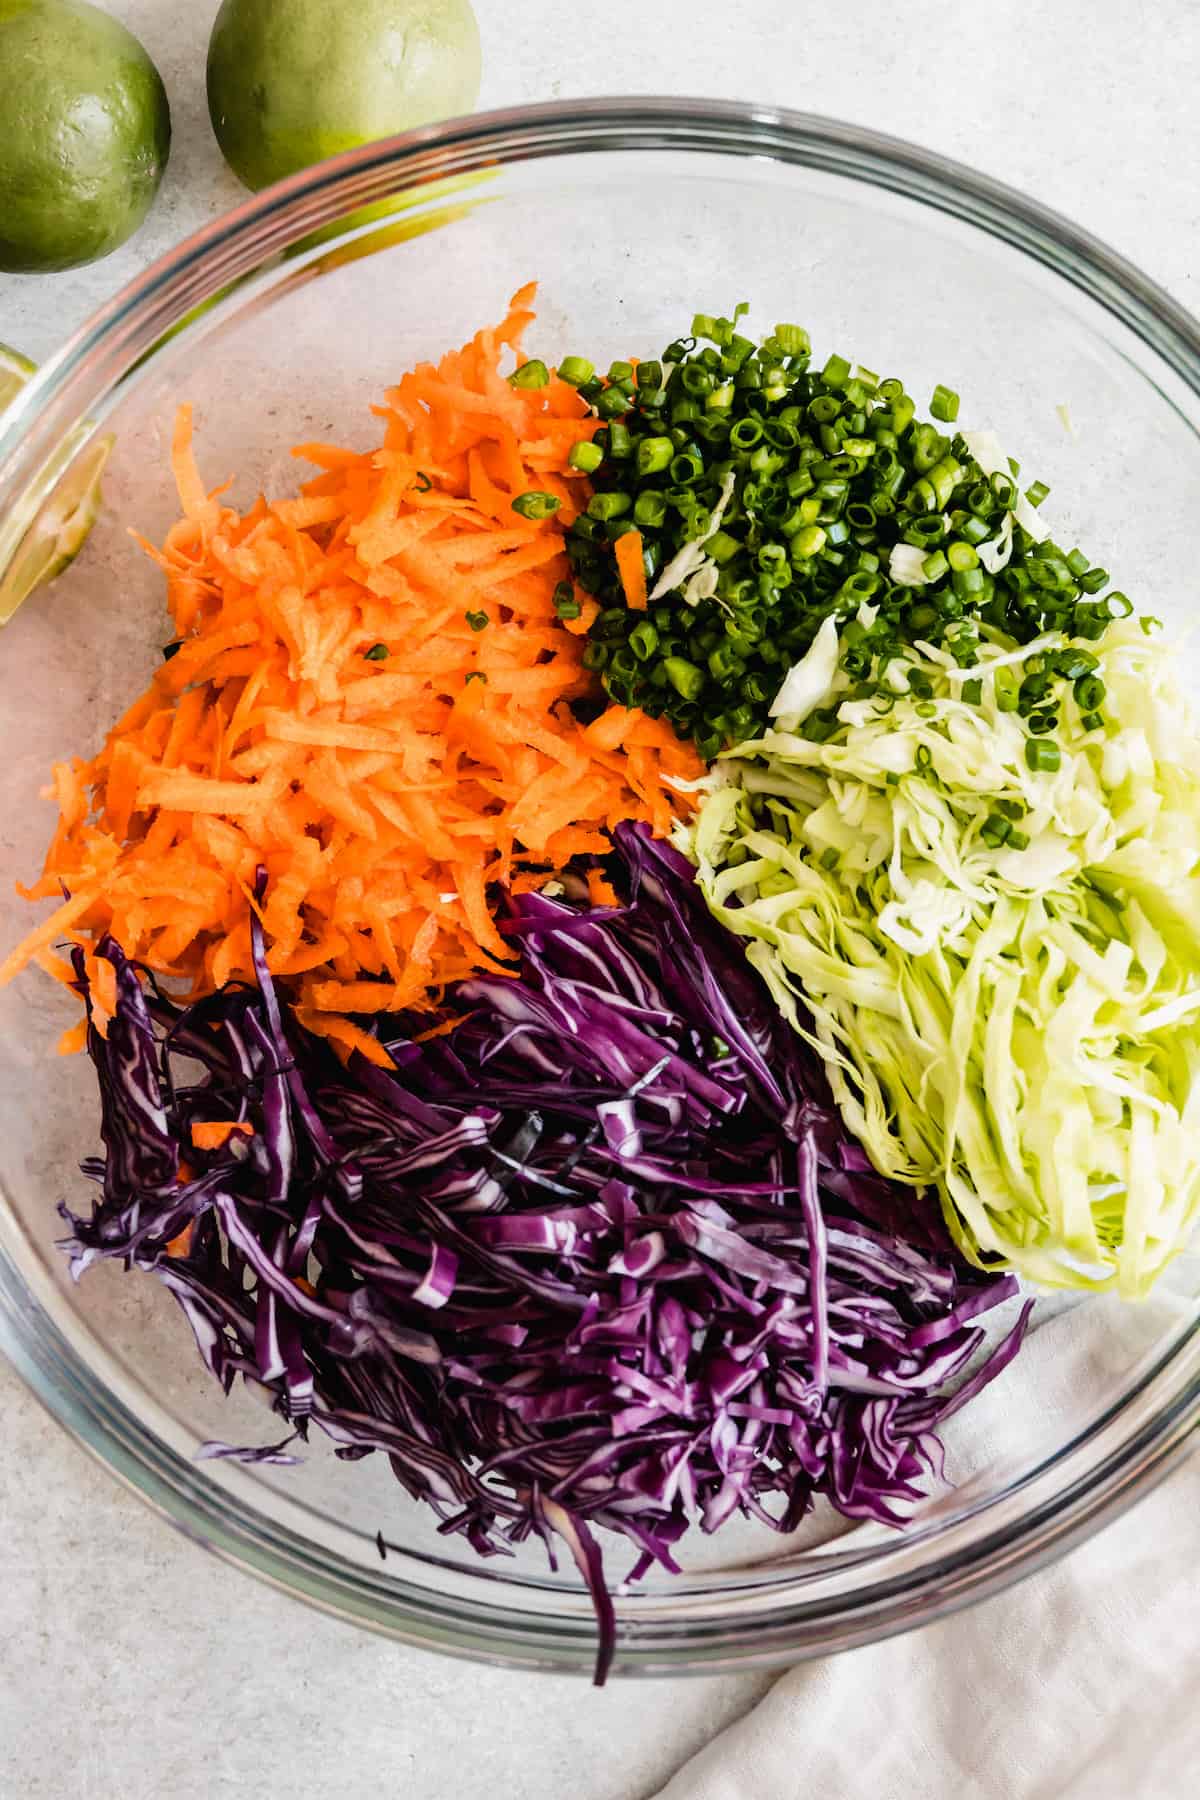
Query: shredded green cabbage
{"x": 1020, "y": 1027}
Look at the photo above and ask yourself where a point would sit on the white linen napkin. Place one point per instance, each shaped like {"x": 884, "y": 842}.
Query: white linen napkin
{"x": 1078, "y": 1684}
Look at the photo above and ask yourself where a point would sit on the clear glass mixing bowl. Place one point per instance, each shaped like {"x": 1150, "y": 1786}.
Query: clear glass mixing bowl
{"x": 281, "y": 323}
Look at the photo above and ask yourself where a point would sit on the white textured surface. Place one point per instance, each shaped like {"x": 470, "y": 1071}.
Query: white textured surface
{"x": 131, "y": 1665}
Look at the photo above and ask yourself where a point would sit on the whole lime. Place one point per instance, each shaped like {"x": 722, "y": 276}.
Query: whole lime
{"x": 293, "y": 81}
{"x": 85, "y": 132}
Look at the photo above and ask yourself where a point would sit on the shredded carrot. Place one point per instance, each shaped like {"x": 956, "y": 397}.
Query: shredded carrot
{"x": 371, "y": 702}
{"x": 345, "y": 1036}
{"x": 631, "y": 569}
{"x": 180, "y": 1245}
{"x": 443, "y": 1028}
{"x": 214, "y": 1134}
{"x": 601, "y": 891}
{"x": 73, "y": 1039}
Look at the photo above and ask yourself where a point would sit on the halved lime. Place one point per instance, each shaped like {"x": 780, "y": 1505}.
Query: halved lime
{"x": 57, "y": 534}
{"x": 15, "y": 371}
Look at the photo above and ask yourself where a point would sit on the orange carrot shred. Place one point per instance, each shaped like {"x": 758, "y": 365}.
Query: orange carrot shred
{"x": 601, "y": 891}
{"x": 73, "y": 1039}
{"x": 180, "y": 1245}
{"x": 214, "y": 1134}
{"x": 632, "y": 569}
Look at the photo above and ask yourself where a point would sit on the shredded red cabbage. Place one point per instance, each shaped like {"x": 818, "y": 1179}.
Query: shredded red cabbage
{"x": 601, "y": 1256}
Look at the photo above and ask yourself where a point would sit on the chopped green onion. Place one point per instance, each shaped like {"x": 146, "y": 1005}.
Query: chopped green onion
{"x": 791, "y": 489}
{"x": 928, "y": 448}
{"x": 585, "y": 456}
{"x": 612, "y": 402}
{"x": 1089, "y": 622}
{"x": 653, "y": 454}
{"x": 565, "y": 603}
{"x": 620, "y": 444}
{"x": 793, "y": 340}
{"x": 531, "y": 374}
{"x": 575, "y": 370}
{"x": 903, "y": 412}
{"x": 536, "y": 505}
{"x": 609, "y": 504}
{"x": 1008, "y": 698}
{"x": 1042, "y": 754}
{"x": 650, "y": 509}
{"x": 1036, "y": 492}
{"x": 478, "y": 621}
{"x": 1073, "y": 663}
{"x": 687, "y": 467}
{"x": 807, "y": 543}
{"x": 684, "y": 676}
{"x": 721, "y": 546}
{"x": 944, "y": 404}
{"x": 643, "y": 640}
{"x": 377, "y": 653}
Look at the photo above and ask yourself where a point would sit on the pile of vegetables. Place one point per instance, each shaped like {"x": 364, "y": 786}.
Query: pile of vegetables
{"x": 370, "y": 696}
{"x": 762, "y": 495}
{"x": 600, "y": 1181}
{"x": 599, "y": 1257}
{"x": 997, "y": 951}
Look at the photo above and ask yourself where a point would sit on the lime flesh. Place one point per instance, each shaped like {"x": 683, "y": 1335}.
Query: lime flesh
{"x": 15, "y": 371}
{"x": 57, "y": 534}
{"x": 85, "y": 131}
{"x": 293, "y": 81}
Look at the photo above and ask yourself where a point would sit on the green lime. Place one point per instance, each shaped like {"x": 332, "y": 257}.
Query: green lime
{"x": 57, "y": 534}
{"x": 293, "y": 81}
{"x": 85, "y": 132}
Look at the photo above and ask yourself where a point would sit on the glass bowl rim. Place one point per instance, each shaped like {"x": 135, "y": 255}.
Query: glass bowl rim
{"x": 982, "y": 1548}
